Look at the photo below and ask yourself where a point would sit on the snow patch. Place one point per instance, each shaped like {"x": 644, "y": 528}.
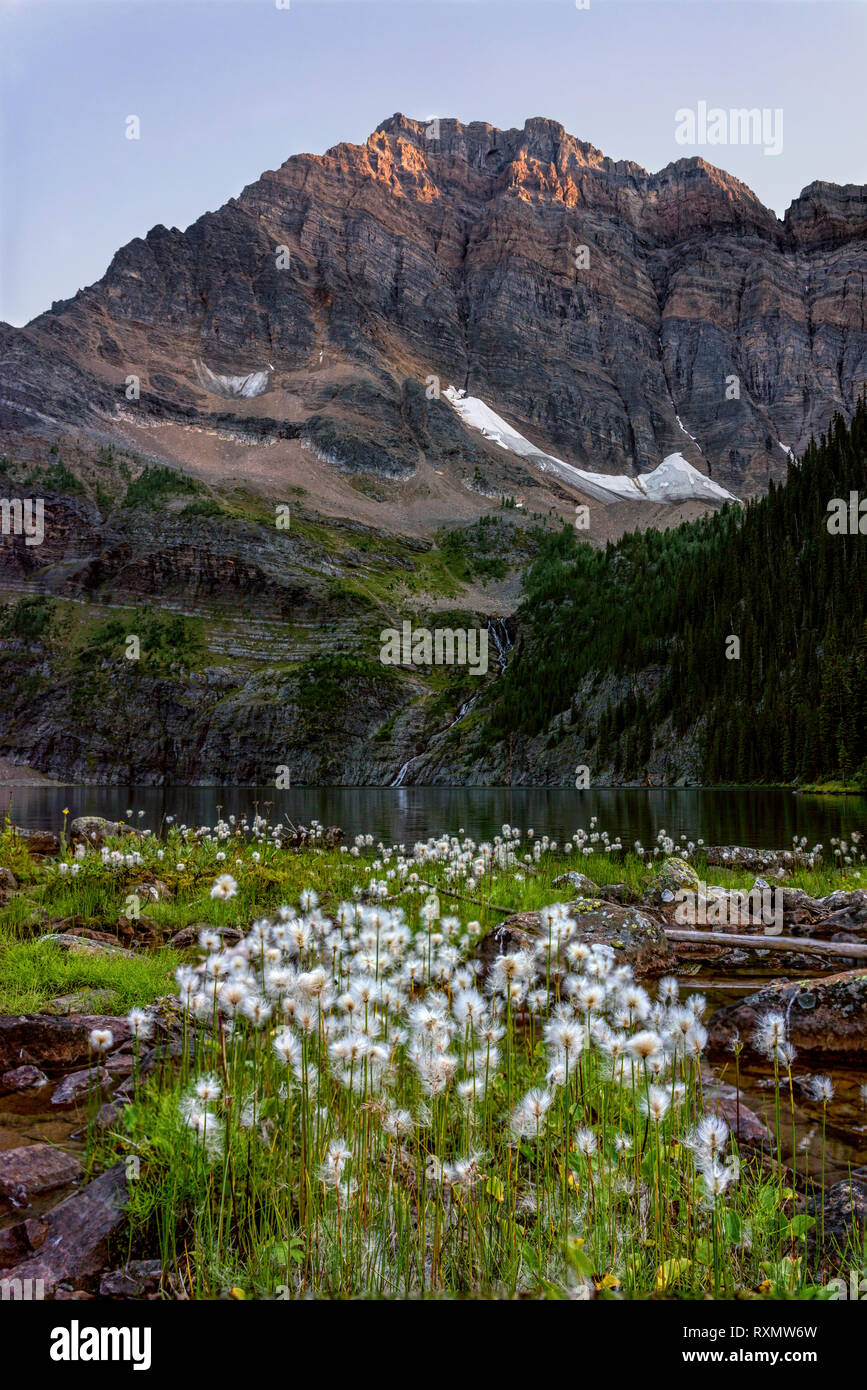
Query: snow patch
{"x": 687, "y": 433}
{"x": 673, "y": 480}
{"x": 252, "y": 384}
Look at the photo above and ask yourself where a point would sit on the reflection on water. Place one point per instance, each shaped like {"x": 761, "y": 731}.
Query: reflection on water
{"x": 768, "y": 818}
{"x": 801, "y": 1143}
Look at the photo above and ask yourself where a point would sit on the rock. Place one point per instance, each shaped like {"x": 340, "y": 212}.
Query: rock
{"x": 40, "y": 844}
{"x": 755, "y": 860}
{"x": 164, "y": 1052}
{"x": 137, "y": 1278}
{"x": 121, "y": 1064}
{"x": 138, "y": 931}
{"x": 83, "y": 1001}
{"x": 84, "y": 945}
{"x": 675, "y": 874}
{"x": 95, "y": 830}
{"x": 616, "y": 893}
{"x": 844, "y": 1210}
{"x": 89, "y": 932}
{"x": 55, "y": 1043}
{"x": 74, "y": 1249}
{"x": 13, "y": 1246}
{"x": 108, "y": 1114}
{"x": 722, "y": 1099}
{"x": 584, "y": 886}
{"x": 21, "y": 1079}
{"x": 154, "y": 889}
{"x": 189, "y": 936}
{"x": 637, "y": 938}
{"x": 827, "y": 1017}
{"x": 8, "y": 881}
{"x": 76, "y": 1087}
{"x": 35, "y": 1168}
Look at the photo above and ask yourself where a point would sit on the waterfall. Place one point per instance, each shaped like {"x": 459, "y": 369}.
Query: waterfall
{"x": 499, "y": 633}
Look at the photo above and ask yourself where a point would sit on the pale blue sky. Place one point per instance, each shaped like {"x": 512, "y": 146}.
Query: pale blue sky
{"x": 227, "y": 88}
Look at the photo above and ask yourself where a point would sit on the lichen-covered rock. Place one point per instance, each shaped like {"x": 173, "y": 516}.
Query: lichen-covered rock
{"x": 95, "y": 830}
{"x": 579, "y": 882}
{"x": 137, "y": 1279}
{"x": 40, "y": 844}
{"x": 84, "y": 945}
{"x": 636, "y": 938}
{"x": 188, "y": 937}
{"x": 826, "y": 1017}
{"x": 675, "y": 874}
{"x": 757, "y": 861}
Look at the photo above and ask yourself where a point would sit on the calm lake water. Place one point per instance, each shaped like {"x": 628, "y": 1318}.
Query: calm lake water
{"x": 763, "y": 818}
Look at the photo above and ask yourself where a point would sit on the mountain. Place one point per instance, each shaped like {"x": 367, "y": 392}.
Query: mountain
{"x": 417, "y": 357}
{"x": 455, "y": 257}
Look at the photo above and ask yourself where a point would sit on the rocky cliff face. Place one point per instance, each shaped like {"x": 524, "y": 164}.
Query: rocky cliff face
{"x": 297, "y": 346}
{"x": 335, "y": 286}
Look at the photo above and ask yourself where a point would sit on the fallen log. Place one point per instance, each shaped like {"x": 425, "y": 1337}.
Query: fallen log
{"x": 771, "y": 943}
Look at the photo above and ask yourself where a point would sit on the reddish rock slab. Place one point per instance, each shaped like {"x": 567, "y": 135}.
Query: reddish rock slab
{"x": 825, "y": 1017}
{"x": 746, "y": 1126}
{"x": 74, "y": 1249}
{"x": 76, "y": 1087}
{"x": 54, "y": 1043}
{"x": 21, "y": 1079}
{"x": 33, "y": 1169}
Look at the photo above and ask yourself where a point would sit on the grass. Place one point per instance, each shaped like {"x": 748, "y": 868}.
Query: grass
{"x": 34, "y": 973}
{"x": 363, "y": 1116}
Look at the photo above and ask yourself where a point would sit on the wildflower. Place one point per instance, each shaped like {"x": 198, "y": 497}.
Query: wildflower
{"x": 101, "y": 1039}
{"x": 208, "y": 1089}
{"x": 530, "y": 1112}
{"x": 565, "y": 1036}
{"x": 770, "y": 1033}
{"x": 656, "y": 1103}
{"x": 464, "y": 1172}
{"x": 821, "y": 1088}
{"x": 140, "y": 1024}
{"x": 668, "y": 990}
{"x": 287, "y": 1047}
{"x": 397, "y": 1123}
{"x": 716, "y": 1178}
{"x": 645, "y": 1045}
{"x": 224, "y": 888}
{"x": 232, "y": 996}
{"x": 708, "y": 1138}
{"x": 585, "y": 1142}
{"x": 336, "y": 1158}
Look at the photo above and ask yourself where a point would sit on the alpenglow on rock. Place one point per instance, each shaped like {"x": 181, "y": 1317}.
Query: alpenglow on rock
{"x": 695, "y": 333}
